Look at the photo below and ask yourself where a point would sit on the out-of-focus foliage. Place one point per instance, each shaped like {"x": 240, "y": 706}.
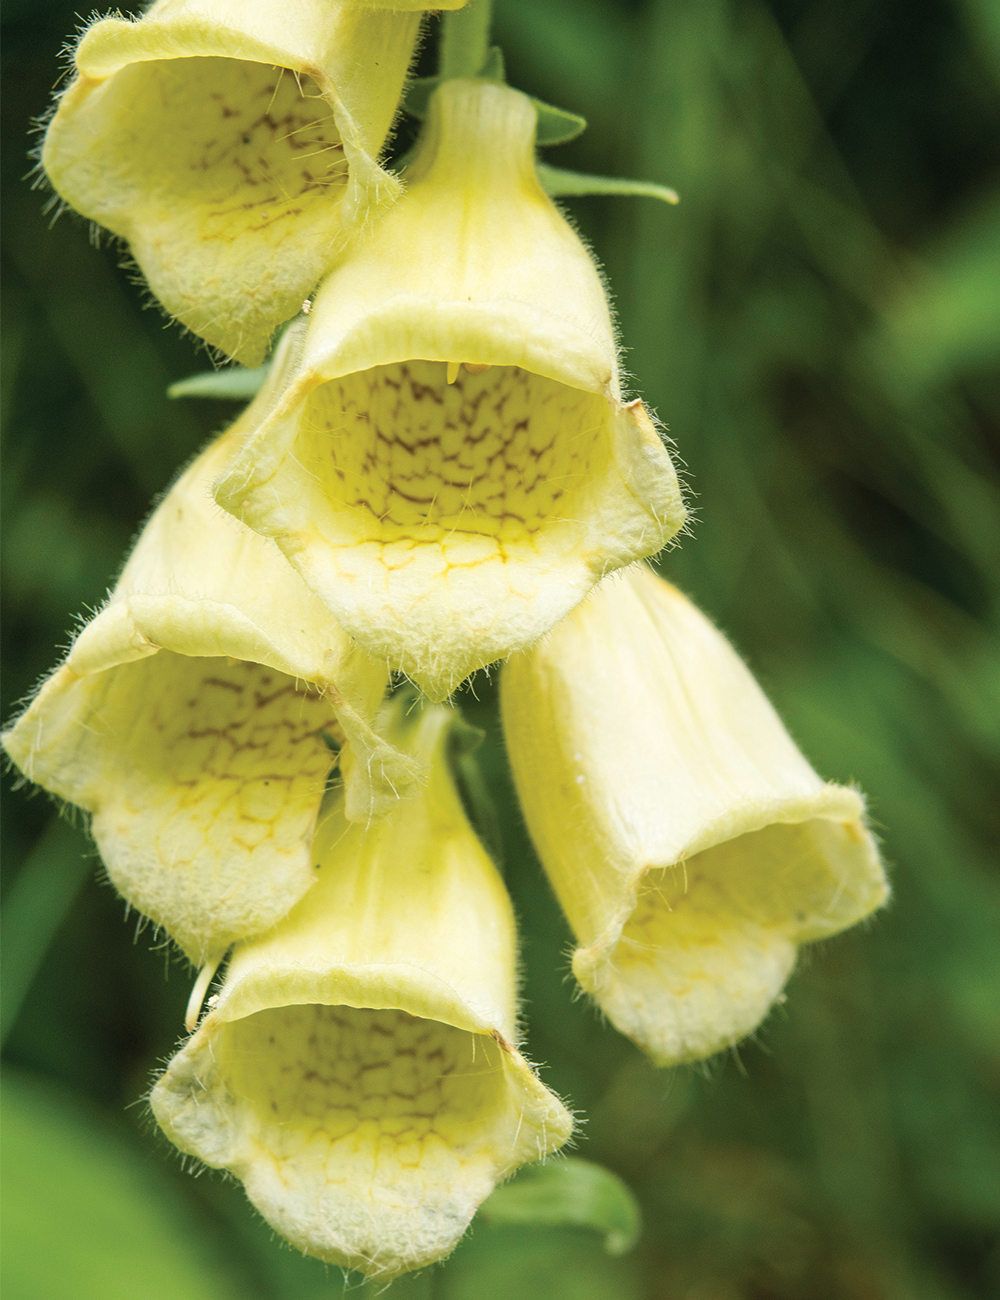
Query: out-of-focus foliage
{"x": 119, "y": 1226}
{"x": 818, "y": 322}
{"x": 569, "y": 1191}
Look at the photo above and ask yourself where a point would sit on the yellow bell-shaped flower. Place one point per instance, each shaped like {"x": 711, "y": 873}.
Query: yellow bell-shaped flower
{"x": 197, "y": 718}
{"x": 453, "y": 467}
{"x": 234, "y": 144}
{"x": 691, "y": 845}
{"x": 357, "y": 1070}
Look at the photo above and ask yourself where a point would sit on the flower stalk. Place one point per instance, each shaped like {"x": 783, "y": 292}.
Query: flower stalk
{"x": 465, "y": 40}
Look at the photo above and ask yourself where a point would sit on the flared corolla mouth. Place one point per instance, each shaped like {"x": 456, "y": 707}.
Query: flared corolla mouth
{"x": 467, "y": 457}
{"x": 712, "y": 939}
{"x": 495, "y": 331}
{"x": 204, "y": 777}
{"x": 449, "y": 511}
{"x": 370, "y": 1135}
{"x": 239, "y": 163}
{"x": 239, "y": 146}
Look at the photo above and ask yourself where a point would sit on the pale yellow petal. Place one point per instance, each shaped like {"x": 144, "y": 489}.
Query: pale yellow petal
{"x": 358, "y": 1071}
{"x": 692, "y": 846}
{"x": 204, "y": 777}
{"x": 189, "y": 718}
{"x": 233, "y": 143}
{"x": 453, "y": 468}
{"x": 198, "y": 583}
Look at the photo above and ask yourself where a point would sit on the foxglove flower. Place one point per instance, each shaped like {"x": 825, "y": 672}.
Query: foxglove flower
{"x": 198, "y": 715}
{"x": 234, "y": 144}
{"x": 453, "y": 467}
{"x": 357, "y": 1070}
{"x": 690, "y": 843}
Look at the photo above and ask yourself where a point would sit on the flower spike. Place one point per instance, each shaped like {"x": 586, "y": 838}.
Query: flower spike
{"x": 691, "y": 845}
{"x": 358, "y": 1070}
{"x": 234, "y": 144}
{"x": 194, "y": 718}
{"x": 453, "y": 468}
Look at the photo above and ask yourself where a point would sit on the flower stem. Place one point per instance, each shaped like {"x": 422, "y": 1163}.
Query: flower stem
{"x": 197, "y": 997}
{"x": 465, "y": 39}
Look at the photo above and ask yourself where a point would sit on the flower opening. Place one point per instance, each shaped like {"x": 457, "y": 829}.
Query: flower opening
{"x": 452, "y": 468}
{"x": 358, "y": 1070}
{"x": 234, "y": 146}
{"x": 198, "y": 716}
{"x": 691, "y": 845}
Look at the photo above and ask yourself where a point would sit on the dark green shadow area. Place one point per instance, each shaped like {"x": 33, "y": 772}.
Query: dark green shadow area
{"x": 818, "y": 324}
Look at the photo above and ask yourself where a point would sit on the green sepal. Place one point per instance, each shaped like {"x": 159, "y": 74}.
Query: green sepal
{"x": 418, "y": 93}
{"x": 557, "y": 125}
{"x": 569, "y": 1192}
{"x": 494, "y": 68}
{"x": 235, "y": 384}
{"x": 463, "y": 741}
{"x": 559, "y": 183}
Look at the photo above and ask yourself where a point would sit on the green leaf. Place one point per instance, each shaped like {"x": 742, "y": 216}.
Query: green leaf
{"x": 38, "y": 900}
{"x": 234, "y": 384}
{"x": 569, "y": 1192}
{"x": 559, "y": 182}
{"x": 87, "y": 1216}
{"x": 557, "y": 125}
{"x": 984, "y": 16}
{"x": 947, "y": 321}
{"x": 551, "y": 1263}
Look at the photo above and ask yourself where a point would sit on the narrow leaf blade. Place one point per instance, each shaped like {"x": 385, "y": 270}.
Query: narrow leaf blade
{"x": 234, "y": 384}
{"x": 559, "y": 183}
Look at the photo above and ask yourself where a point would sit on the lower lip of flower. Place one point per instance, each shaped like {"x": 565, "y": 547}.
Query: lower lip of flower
{"x": 368, "y": 1137}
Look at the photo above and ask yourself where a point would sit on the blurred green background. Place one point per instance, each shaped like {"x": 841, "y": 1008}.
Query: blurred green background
{"x": 818, "y": 324}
